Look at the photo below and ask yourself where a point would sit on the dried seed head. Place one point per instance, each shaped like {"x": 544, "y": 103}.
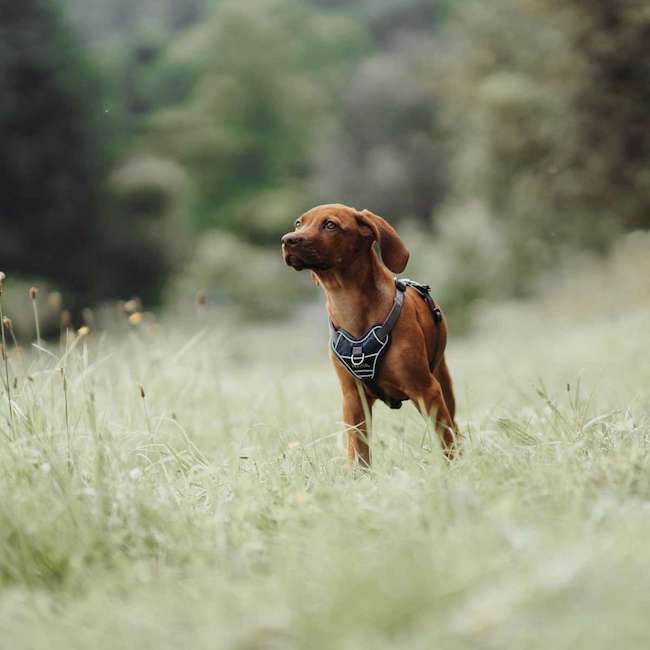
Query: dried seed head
{"x": 201, "y": 298}
{"x": 83, "y": 331}
{"x": 8, "y": 323}
{"x": 33, "y": 292}
{"x": 142, "y": 394}
{"x": 66, "y": 318}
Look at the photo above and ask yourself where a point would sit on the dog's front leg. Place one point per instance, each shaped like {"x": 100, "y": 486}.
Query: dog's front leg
{"x": 357, "y": 411}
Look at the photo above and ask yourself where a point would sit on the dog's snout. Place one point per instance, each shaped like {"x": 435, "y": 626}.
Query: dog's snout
{"x": 292, "y": 239}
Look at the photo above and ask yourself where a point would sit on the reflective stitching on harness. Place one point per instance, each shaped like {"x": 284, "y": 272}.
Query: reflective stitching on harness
{"x": 360, "y": 356}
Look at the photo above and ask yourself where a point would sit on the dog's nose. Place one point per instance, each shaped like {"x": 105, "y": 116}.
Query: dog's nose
{"x": 292, "y": 239}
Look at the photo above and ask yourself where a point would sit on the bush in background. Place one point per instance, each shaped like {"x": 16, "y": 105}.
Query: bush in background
{"x": 550, "y": 100}
{"x": 60, "y": 221}
{"x": 235, "y": 274}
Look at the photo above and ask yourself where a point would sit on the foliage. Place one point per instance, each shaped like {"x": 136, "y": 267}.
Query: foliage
{"x": 269, "y": 77}
{"x": 54, "y": 155}
{"x": 388, "y": 151}
{"x": 239, "y": 275}
{"x": 98, "y": 19}
{"x": 531, "y": 113}
{"x": 59, "y": 220}
{"x": 389, "y": 20}
{"x": 331, "y": 110}
{"x": 466, "y": 262}
{"x": 552, "y": 102}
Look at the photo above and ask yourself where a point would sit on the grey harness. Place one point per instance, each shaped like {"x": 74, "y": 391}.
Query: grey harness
{"x": 362, "y": 356}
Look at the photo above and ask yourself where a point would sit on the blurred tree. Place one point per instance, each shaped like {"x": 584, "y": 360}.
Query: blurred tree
{"x": 100, "y": 19}
{"x": 388, "y": 151}
{"x": 53, "y": 157}
{"x": 550, "y": 100}
{"x": 57, "y": 218}
{"x": 269, "y": 77}
{"x": 130, "y": 39}
{"x": 390, "y": 20}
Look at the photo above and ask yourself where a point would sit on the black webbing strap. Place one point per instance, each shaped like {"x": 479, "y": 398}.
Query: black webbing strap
{"x": 394, "y": 313}
{"x": 387, "y": 326}
{"x": 437, "y": 319}
{"x": 424, "y": 290}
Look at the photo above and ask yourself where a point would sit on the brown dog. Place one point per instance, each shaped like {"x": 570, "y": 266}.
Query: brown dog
{"x": 336, "y": 243}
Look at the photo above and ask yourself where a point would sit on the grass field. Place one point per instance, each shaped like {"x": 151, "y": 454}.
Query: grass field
{"x": 217, "y": 512}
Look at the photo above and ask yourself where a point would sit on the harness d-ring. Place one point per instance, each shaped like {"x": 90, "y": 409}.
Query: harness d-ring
{"x": 362, "y": 358}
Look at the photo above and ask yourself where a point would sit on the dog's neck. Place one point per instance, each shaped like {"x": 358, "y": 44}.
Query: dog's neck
{"x": 360, "y": 295}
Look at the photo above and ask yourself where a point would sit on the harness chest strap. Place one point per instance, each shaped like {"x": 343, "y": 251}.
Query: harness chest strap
{"x": 362, "y": 356}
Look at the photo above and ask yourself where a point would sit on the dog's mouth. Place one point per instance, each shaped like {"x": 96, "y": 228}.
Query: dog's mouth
{"x": 306, "y": 261}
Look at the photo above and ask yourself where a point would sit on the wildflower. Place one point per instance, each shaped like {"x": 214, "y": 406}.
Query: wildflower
{"x": 83, "y": 331}
{"x": 135, "y": 318}
{"x": 33, "y": 291}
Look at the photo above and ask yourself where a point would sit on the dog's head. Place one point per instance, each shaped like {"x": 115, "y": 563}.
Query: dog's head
{"x": 330, "y": 237}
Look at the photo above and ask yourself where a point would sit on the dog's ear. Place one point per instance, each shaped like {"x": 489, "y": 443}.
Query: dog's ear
{"x": 394, "y": 253}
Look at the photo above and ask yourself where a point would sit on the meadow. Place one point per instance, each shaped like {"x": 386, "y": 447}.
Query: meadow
{"x": 182, "y": 484}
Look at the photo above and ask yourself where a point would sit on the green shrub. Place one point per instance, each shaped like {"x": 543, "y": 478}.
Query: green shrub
{"x": 251, "y": 279}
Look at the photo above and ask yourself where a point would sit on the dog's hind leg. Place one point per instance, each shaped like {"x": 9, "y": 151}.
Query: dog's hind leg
{"x": 444, "y": 378}
{"x": 431, "y": 403}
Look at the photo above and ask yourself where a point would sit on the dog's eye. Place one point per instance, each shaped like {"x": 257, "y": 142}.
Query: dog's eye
{"x": 329, "y": 225}
{"x": 297, "y": 224}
